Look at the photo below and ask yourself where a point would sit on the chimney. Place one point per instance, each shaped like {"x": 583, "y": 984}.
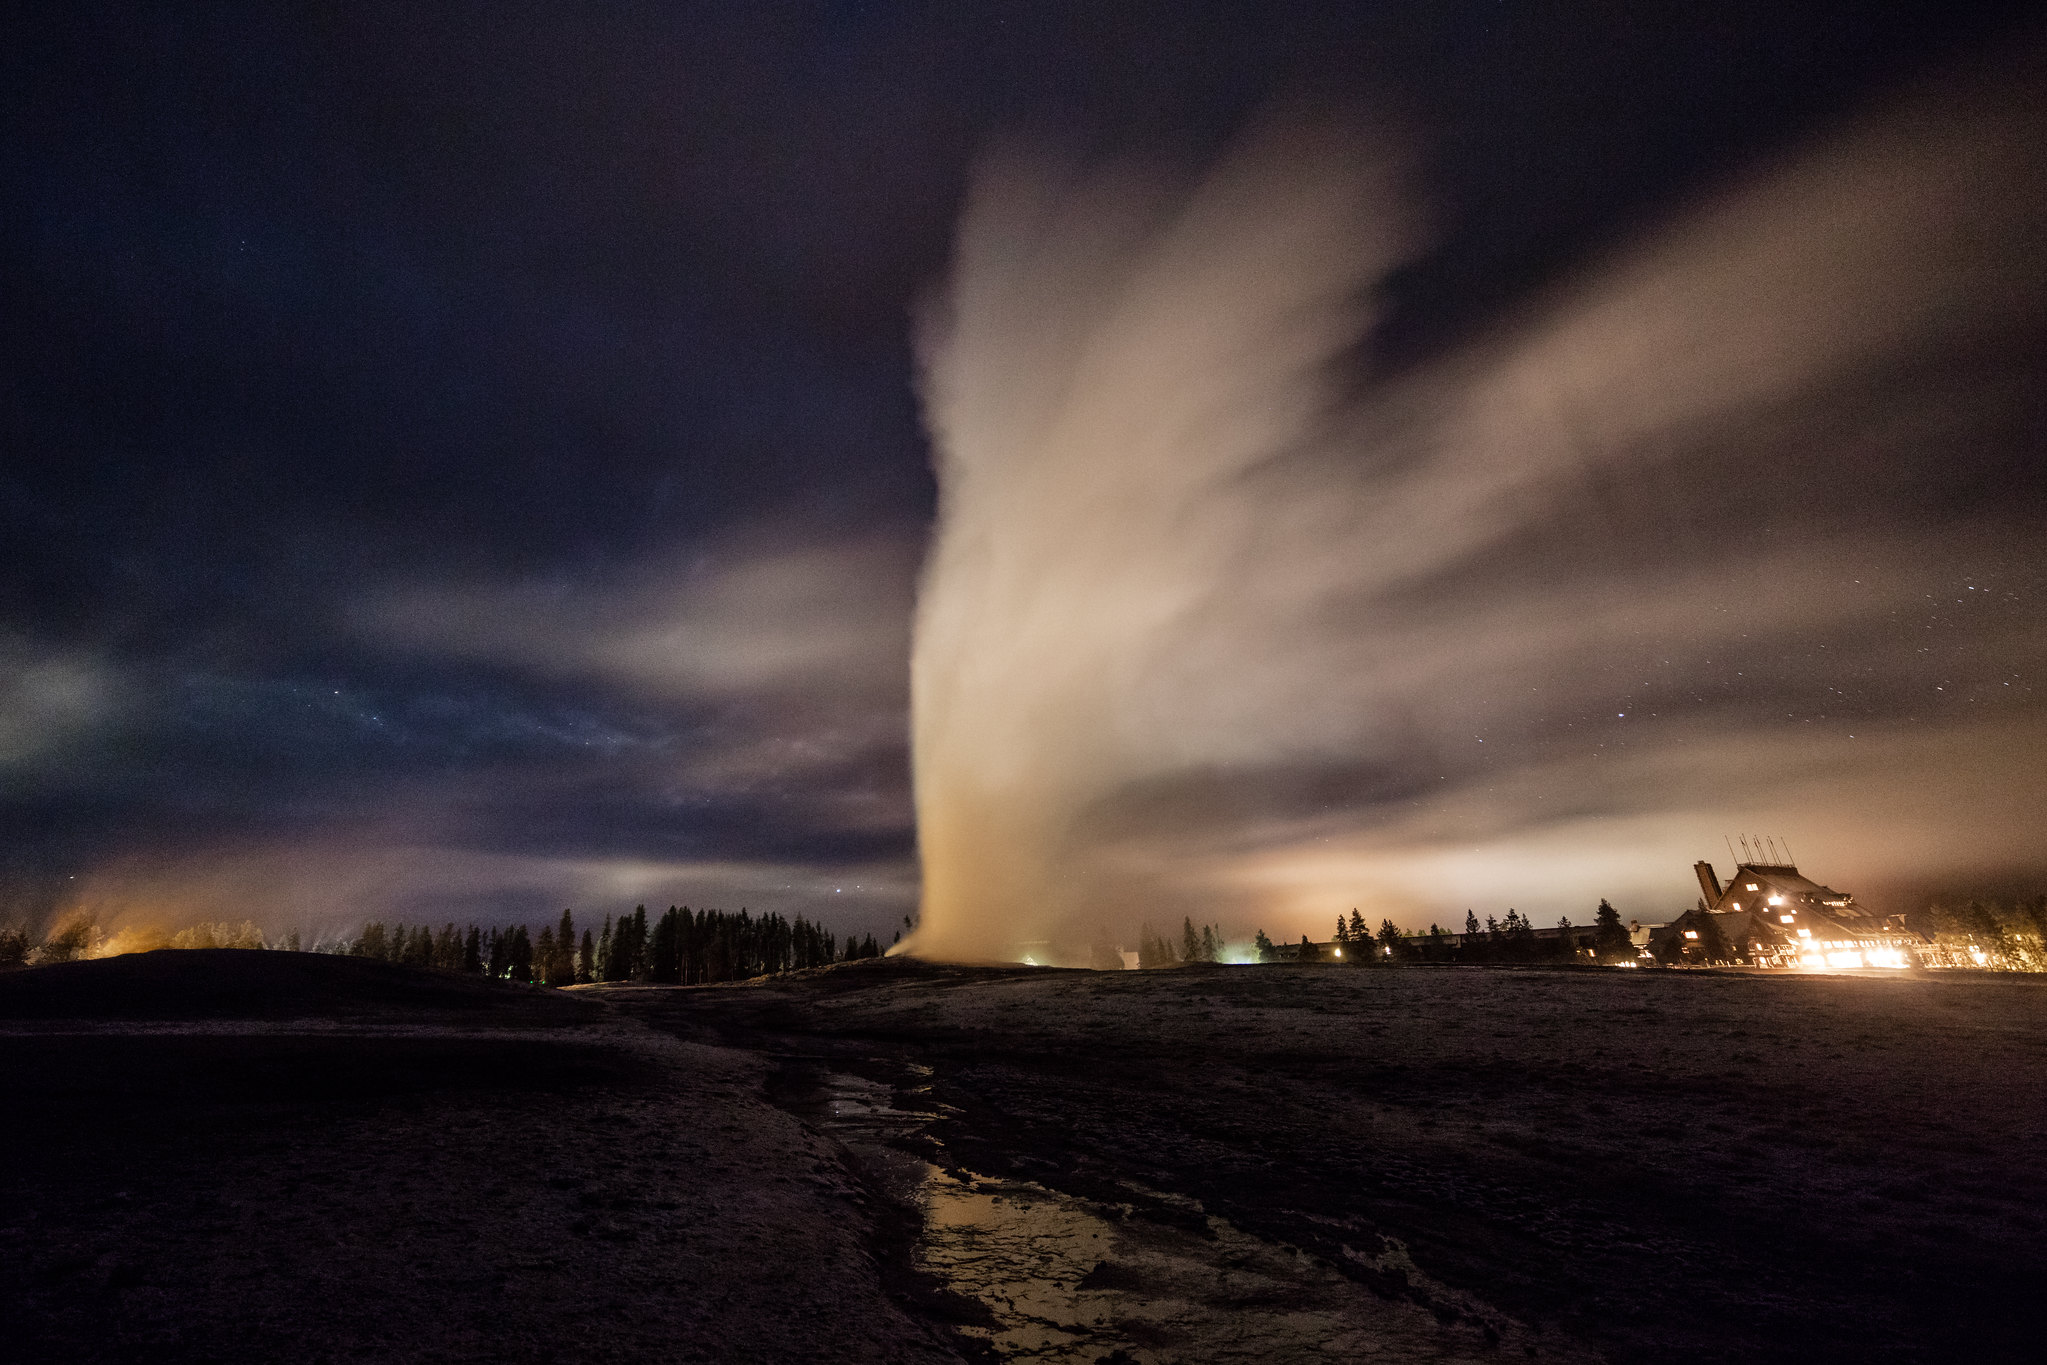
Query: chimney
{"x": 1708, "y": 883}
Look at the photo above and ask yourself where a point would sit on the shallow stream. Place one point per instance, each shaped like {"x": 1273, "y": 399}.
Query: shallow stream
{"x": 1070, "y": 1279}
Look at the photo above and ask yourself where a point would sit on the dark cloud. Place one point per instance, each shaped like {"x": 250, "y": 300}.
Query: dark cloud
{"x": 470, "y": 456}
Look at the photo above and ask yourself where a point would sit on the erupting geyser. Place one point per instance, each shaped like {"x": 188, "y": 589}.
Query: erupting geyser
{"x": 1211, "y": 627}
{"x": 1117, "y": 355}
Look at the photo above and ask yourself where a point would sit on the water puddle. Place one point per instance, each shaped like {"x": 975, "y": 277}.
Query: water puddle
{"x": 1070, "y": 1279}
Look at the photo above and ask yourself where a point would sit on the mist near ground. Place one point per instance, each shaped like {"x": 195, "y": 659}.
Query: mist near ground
{"x": 1734, "y": 531}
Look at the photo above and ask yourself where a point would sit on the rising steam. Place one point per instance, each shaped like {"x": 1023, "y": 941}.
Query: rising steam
{"x": 1204, "y": 630}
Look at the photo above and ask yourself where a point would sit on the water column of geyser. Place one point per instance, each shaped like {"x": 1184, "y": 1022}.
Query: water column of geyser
{"x": 1117, "y": 353}
{"x": 1208, "y": 628}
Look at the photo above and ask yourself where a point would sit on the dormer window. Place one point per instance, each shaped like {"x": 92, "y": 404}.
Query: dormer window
{"x": 1785, "y": 919}
{"x": 1752, "y": 886}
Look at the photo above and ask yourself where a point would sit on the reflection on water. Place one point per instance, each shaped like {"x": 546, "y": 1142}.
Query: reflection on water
{"x": 1067, "y": 1279}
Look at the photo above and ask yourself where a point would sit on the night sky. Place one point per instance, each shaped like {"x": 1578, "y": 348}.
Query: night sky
{"x": 457, "y": 462}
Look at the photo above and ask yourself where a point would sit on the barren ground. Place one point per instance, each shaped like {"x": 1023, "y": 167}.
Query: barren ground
{"x": 219, "y": 1156}
{"x": 1662, "y": 1165}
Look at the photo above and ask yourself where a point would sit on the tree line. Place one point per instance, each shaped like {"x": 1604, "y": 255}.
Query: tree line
{"x": 680, "y": 947}
{"x": 2001, "y": 936}
{"x": 1512, "y": 939}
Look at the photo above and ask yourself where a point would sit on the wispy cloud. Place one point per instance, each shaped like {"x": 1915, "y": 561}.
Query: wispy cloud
{"x": 1733, "y": 527}
{"x": 754, "y": 616}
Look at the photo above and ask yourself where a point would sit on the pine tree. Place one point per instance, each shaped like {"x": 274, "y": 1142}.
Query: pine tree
{"x": 1307, "y": 952}
{"x": 472, "y": 951}
{"x": 519, "y": 955}
{"x": 562, "y": 971}
{"x": 1389, "y": 940}
{"x": 543, "y": 955}
{"x": 1190, "y": 942}
{"x": 1470, "y": 922}
{"x": 1211, "y": 943}
{"x": 1610, "y": 941}
{"x": 1266, "y": 952}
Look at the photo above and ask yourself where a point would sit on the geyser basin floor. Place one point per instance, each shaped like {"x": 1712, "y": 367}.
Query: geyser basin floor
{"x": 1667, "y": 1166}
{"x": 1067, "y": 1279}
{"x": 287, "y": 1158}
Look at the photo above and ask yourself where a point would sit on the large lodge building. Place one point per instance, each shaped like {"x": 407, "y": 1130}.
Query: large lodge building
{"x": 1766, "y": 915}
{"x": 1769, "y": 915}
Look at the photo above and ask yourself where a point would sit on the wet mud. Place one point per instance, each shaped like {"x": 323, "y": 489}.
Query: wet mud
{"x": 1151, "y": 1279}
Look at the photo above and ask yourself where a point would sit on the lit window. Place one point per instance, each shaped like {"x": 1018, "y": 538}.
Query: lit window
{"x": 1805, "y": 933}
{"x": 1753, "y": 887}
{"x": 1776, "y": 900}
{"x": 1786, "y": 919}
{"x": 1737, "y": 906}
{"x": 1691, "y": 933}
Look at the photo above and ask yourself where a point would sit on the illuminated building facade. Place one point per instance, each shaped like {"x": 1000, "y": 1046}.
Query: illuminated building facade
{"x": 1770, "y": 915}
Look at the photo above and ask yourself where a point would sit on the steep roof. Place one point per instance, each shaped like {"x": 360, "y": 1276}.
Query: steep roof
{"x": 1782, "y": 879}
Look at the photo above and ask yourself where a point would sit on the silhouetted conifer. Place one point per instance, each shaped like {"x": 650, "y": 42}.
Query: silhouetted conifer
{"x": 664, "y": 952}
{"x": 519, "y": 955}
{"x": 1610, "y": 941}
{"x": 1390, "y": 941}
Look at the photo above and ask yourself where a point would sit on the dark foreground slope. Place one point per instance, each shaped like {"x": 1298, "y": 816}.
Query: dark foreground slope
{"x": 244, "y": 1156}
{"x": 1669, "y": 1166}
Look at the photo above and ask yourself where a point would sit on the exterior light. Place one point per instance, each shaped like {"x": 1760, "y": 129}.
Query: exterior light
{"x": 1805, "y": 933}
{"x": 1776, "y": 900}
{"x": 1339, "y": 952}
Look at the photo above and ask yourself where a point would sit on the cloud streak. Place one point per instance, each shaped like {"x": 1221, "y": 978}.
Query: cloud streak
{"x": 1736, "y": 525}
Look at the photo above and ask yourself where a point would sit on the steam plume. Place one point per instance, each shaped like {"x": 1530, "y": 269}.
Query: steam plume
{"x": 1201, "y": 628}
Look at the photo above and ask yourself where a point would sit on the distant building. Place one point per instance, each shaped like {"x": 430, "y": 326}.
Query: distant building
{"x": 1770, "y": 915}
